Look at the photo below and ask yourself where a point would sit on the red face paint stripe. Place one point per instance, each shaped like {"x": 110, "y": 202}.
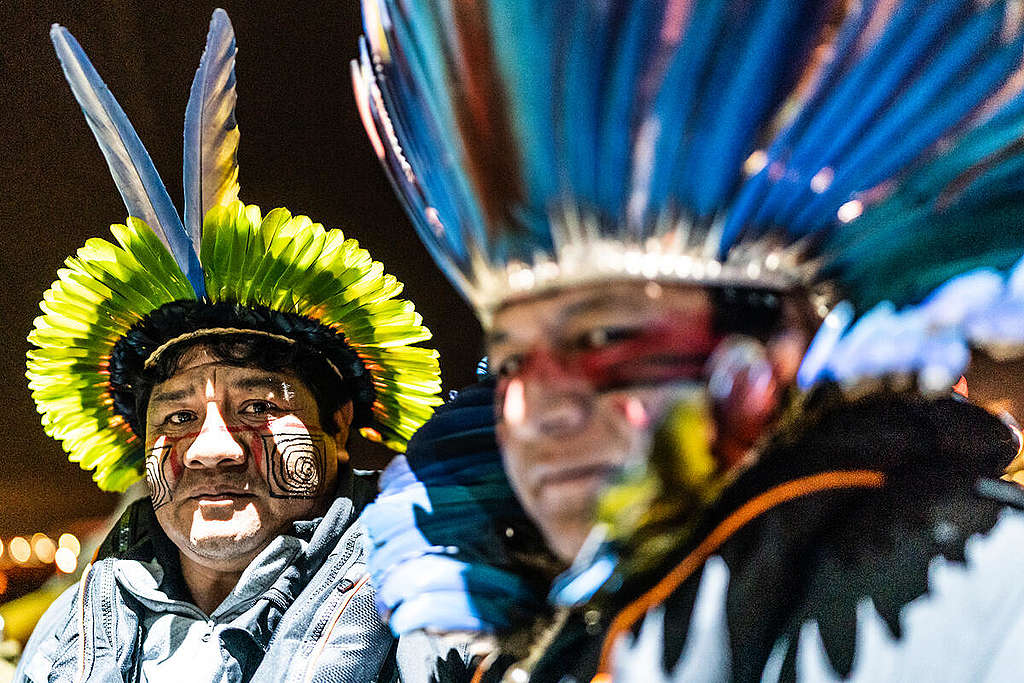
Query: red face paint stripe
{"x": 256, "y": 448}
{"x": 298, "y": 424}
{"x": 177, "y": 464}
{"x": 256, "y": 435}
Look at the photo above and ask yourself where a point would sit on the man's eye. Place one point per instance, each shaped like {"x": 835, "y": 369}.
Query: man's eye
{"x": 602, "y": 337}
{"x": 258, "y": 408}
{"x": 181, "y": 417}
{"x": 510, "y": 366}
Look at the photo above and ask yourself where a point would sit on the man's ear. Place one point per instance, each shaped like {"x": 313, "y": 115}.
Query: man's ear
{"x": 343, "y": 419}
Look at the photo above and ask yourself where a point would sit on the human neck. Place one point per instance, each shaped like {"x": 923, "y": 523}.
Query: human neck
{"x": 208, "y": 586}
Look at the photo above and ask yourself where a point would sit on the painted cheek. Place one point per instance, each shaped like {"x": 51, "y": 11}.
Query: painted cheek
{"x": 180, "y": 444}
{"x": 287, "y": 423}
{"x": 172, "y": 459}
{"x": 281, "y": 427}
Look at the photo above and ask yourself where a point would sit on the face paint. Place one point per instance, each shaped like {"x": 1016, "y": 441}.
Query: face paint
{"x": 256, "y": 449}
{"x": 586, "y": 376}
{"x": 666, "y": 351}
{"x": 295, "y": 468}
{"x": 159, "y": 486}
{"x": 296, "y": 464}
{"x": 235, "y": 455}
{"x": 610, "y": 358}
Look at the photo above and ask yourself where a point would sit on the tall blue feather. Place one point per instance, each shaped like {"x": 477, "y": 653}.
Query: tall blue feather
{"x": 144, "y": 194}
{"x": 210, "y": 171}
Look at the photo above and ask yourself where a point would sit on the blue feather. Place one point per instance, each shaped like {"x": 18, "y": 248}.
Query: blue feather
{"x": 210, "y": 171}
{"x": 136, "y": 178}
{"x": 941, "y": 96}
{"x": 868, "y": 88}
{"x": 753, "y": 203}
{"x": 676, "y": 104}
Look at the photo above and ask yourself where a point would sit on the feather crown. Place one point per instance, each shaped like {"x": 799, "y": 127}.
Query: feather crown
{"x": 226, "y": 267}
{"x": 871, "y": 150}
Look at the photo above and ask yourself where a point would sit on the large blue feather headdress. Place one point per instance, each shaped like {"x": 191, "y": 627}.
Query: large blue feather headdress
{"x": 869, "y": 150}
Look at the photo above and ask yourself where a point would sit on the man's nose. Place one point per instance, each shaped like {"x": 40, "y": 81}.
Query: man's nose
{"x": 215, "y": 445}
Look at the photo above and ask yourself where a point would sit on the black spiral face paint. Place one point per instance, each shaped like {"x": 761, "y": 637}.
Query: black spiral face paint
{"x": 159, "y": 486}
{"x": 296, "y": 464}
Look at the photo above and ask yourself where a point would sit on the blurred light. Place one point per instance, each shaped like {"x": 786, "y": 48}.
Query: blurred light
{"x": 850, "y": 210}
{"x": 66, "y": 560}
{"x": 755, "y": 162}
{"x": 3, "y": 589}
{"x": 371, "y": 434}
{"x": 821, "y": 180}
{"x": 20, "y": 549}
{"x": 44, "y": 549}
{"x": 1, "y": 548}
{"x": 70, "y": 542}
{"x": 513, "y": 410}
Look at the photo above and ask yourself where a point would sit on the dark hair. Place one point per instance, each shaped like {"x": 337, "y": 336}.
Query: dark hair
{"x": 757, "y": 313}
{"x": 751, "y": 312}
{"x": 316, "y": 354}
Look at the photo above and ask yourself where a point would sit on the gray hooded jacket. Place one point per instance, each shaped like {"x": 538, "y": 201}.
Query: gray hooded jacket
{"x": 303, "y": 610}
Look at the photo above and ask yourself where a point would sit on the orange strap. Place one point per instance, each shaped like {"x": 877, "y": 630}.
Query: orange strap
{"x": 632, "y": 613}
{"x": 484, "y": 666}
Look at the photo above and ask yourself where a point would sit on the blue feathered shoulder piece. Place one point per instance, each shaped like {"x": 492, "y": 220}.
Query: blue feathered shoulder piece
{"x": 868, "y": 151}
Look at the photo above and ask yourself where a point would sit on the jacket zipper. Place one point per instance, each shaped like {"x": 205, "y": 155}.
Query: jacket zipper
{"x": 336, "y": 617}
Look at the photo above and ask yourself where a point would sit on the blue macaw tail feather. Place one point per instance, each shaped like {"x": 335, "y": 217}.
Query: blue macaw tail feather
{"x": 210, "y": 171}
{"x": 141, "y": 188}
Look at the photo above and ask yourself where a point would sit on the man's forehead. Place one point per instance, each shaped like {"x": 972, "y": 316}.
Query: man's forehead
{"x": 552, "y": 309}
{"x": 199, "y": 367}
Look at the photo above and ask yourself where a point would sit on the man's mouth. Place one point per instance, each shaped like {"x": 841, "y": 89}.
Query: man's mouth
{"x": 577, "y": 474}
{"x": 219, "y": 493}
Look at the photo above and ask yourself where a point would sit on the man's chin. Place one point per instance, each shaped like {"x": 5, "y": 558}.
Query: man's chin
{"x": 224, "y": 539}
{"x": 567, "y": 538}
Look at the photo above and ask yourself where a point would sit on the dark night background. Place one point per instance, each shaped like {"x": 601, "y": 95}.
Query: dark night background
{"x": 302, "y": 147}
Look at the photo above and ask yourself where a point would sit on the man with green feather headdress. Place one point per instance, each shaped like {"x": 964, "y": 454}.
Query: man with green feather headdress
{"x": 226, "y": 358}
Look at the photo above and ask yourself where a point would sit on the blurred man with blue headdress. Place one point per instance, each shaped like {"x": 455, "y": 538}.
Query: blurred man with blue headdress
{"x": 731, "y": 256}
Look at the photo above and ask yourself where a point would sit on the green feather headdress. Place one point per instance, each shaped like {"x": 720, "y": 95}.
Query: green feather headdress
{"x": 284, "y": 266}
